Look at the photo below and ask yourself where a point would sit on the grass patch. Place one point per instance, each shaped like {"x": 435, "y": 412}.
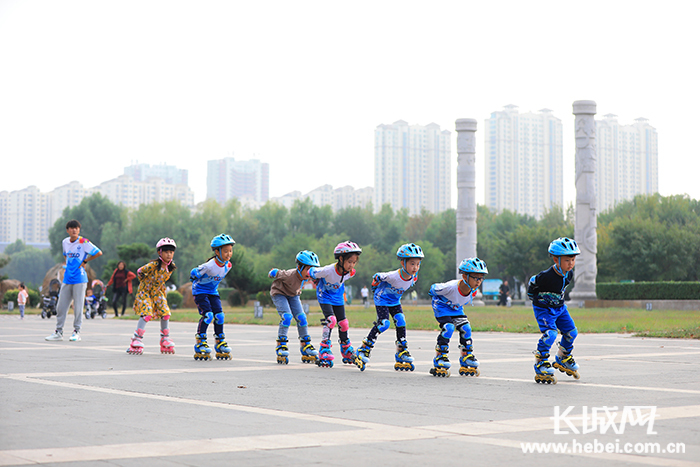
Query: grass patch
{"x": 656, "y": 323}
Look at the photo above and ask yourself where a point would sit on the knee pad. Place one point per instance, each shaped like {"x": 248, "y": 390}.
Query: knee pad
{"x": 165, "y": 318}
{"x": 571, "y": 335}
{"x": 208, "y": 317}
{"x": 466, "y": 331}
{"x": 331, "y": 321}
{"x": 219, "y": 317}
{"x": 549, "y": 336}
{"x": 383, "y": 325}
{"x": 344, "y": 325}
{"x": 447, "y": 330}
{"x": 147, "y": 318}
{"x": 400, "y": 320}
{"x": 301, "y": 319}
{"x": 286, "y": 319}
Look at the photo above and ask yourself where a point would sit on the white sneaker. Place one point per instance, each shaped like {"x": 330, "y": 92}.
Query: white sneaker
{"x": 56, "y": 336}
{"x": 75, "y": 337}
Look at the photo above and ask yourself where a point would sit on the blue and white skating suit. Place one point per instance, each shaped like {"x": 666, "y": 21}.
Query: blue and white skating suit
{"x": 546, "y": 289}
{"x": 448, "y": 300}
{"x": 75, "y": 253}
{"x": 206, "y": 277}
{"x": 330, "y": 289}
{"x": 389, "y": 287}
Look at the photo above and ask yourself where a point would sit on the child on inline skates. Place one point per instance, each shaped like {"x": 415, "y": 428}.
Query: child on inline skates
{"x": 150, "y": 301}
{"x": 546, "y": 290}
{"x": 449, "y": 299}
{"x": 285, "y": 292}
{"x": 205, "y": 281}
{"x": 388, "y": 287}
{"x": 329, "y": 291}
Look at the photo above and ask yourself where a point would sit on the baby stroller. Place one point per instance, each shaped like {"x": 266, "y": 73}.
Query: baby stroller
{"x": 96, "y": 304}
{"x": 49, "y": 302}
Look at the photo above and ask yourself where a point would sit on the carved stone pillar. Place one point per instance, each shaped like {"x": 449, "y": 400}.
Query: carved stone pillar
{"x": 586, "y": 216}
{"x": 466, "y": 193}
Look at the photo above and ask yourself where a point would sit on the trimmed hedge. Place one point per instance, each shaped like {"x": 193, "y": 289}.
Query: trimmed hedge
{"x": 174, "y": 299}
{"x": 11, "y": 296}
{"x": 648, "y": 291}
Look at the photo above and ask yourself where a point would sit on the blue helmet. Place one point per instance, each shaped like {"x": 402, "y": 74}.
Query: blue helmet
{"x": 563, "y": 246}
{"x": 473, "y": 265}
{"x": 308, "y": 258}
{"x": 221, "y": 240}
{"x": 409, "y": 250}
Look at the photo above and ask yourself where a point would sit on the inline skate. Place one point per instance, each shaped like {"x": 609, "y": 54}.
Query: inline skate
{"x": 404, "y": 361}
{"x": 347, "y": 352}
{"x": 223, "y": 351}
{"x": 566, "y": 364}
{"x": 543, "y": 369}
{"x": 469, "y": 366}
{"x": 201, "y": 348}
{"x": 166, "y": 344}
{"x": 325, "y": 356}
{"x": 136, "y": 347}
{"x": 441, "y": 364}
{"x": 308, "y": 353}
{"x": 362, "y": 357}
{"x": 282, "y": 350}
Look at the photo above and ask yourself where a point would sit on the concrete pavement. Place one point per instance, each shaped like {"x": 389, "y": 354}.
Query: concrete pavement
{"x": 89, "y": 403}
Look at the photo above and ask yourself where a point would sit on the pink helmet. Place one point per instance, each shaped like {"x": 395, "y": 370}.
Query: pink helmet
{"x": 165, "y": 241}
{"x": 345, "y": 248}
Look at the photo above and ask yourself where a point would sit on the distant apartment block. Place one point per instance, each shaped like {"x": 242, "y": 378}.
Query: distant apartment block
{"x": 338, "y": 199}
{"x": 168, "y": 173}
{"x": 126, "y": 191}
{"x": 524, "y": 161}
{"x": 628, "y": 161}
{"x": 246, "y": 180}
{"x": 412, "y": 168}
{"x": 28, "y": 214}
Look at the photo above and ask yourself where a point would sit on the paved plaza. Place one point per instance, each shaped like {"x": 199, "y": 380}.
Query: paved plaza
{"x": 89, "y": 403}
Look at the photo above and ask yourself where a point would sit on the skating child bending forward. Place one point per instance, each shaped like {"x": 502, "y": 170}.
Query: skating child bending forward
{"x": 448, "y": 302}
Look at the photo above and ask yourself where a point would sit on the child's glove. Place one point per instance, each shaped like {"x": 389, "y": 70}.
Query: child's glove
{"x": 273, "y": 273}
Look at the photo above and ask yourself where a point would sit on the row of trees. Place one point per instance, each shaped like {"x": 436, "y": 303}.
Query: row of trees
{"x": 648, "y": 238}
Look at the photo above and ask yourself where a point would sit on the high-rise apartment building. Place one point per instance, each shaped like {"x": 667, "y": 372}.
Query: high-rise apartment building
{"x": 523, "y": 170}
{"x": 168, "y": 173}
{"x": 338, "y": 199}
{"x": 628, "y": 161}
{"x": 228, "y": 178}
{"x": 412, "y": 167}
{"x": 126, "y": 191}
{"x": 28, "y": 214}
{"x": 24, "y": 214}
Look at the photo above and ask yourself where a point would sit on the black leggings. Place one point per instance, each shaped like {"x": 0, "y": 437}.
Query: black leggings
{"x": 119, "y": 292}
{"x": 339, "y": 312}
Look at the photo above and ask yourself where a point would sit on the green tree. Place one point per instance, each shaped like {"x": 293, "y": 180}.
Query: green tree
{"x": 29, "y": 265}
{"x": 357, "y": 224}
{"x": 307, "y": 218}
{"x": 15, "y": 247}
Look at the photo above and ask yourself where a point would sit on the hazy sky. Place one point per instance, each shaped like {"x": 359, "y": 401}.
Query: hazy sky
{"x": 87, "y": 87}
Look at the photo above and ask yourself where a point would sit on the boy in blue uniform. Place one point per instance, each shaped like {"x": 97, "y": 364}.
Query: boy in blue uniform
{"x": 205, "y": 282}
{"x": 449, "y": 299}
{"x": 546, "y": 290}
{"x": 388, "y": 288}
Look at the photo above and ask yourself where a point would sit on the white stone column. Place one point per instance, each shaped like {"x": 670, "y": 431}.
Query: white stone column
{"x": 466, "y": 193}
{"x": 586, "y": 216}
